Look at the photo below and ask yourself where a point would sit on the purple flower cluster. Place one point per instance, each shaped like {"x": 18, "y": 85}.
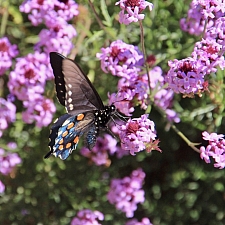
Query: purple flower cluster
{"x": 27, "y": 80}
{"x": 121, "y": 59}
{"x": 7, "y": 52}
{"x": 144, "y": 221}
{"x": 8, "y": 161}
{"x": 126, "y": 193}
{"x": 209, "y": 54}
{"x": 132, "y": 10}
{"x": 189, "y": 76}
{"x": 27, "y": 83}
{"x": 186, "y": 77}
{"x": 215, "y": 149}
{"x": 99, "y": 154}
{"x": 131, "y": 93}
{"x": 201, "y": 12}
{"x": 56, "y": 38}
{"x": 54, "y": 14}
{"x": 87, "y": 217}
{"x": 47, "y": 11}
{"x": 7, "y": 114}
{"x": 40, "y": 111}
{"x": 217, "y": 32}
{"x": 139, "y": 134}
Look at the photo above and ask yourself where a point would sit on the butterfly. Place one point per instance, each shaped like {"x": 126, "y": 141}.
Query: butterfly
{"x": 86, "y": 114}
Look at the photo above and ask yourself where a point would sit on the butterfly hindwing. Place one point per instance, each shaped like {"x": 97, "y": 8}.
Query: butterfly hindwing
{"x": 68, "y": 134}
{"x": 54, "y": 132}
{"x": 90, "y": 136}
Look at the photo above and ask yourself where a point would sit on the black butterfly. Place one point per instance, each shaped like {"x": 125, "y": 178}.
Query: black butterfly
{"x": 86, "y": 113}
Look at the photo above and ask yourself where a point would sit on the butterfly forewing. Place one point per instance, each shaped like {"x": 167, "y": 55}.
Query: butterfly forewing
{"x": 56, "y": 63}
{"x": 74, "y": 89}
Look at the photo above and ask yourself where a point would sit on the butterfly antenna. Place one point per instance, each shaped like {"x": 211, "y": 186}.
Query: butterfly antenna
{"x": 121, "y": 117}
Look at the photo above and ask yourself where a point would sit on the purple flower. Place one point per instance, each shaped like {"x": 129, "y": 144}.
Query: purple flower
{"x": 45, "y": 10}
{"x": 121, "y": 59}
{"x": 144, "y": 221}
{"x": 209, "y": 55}
{"x": 7, "y": 52}
{"x": 2, "y": 187}
{"x": 8, "y": 161}
{"x": 57, "y": 38}
{"x": 126, "y": 193}
{"x": 210, "y": 8}
{"x": 200, "y": 12}
{"x": 87, "y": 217}
{"x": 27, "y": 81}
{"x": 185, "y": 76}
{"x": 132, "y": 9}
{"x": 99, "y": 154}
{"x": 214, "y": 149}
{"x": 40, "y": 111}
{"x": 7, "y": 114}
{"x": 132, "y": 91}
{"x": 138, "y": 135}
{"x": 217, "y": 33}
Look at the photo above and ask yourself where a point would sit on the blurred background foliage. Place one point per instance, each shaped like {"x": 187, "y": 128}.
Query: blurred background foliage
{"x": 179, "y": 187}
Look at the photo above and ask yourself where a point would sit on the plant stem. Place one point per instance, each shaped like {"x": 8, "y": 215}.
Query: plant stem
{"x": 189, "y": 143}
{"x": 4, "y": 19}
{"x": 144, "y": 52}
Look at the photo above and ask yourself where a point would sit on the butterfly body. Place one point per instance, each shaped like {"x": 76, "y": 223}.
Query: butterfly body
{"x": 86, "y": 114}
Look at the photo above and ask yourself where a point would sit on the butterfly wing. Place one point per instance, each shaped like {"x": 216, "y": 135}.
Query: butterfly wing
{"x": 66, "y": 132}
{"x": 74, "y": 89}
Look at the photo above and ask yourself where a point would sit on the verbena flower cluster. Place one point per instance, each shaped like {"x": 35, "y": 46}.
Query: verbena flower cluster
{"x": 87, "y": 217}
{"x": 139, "y": 134}
{"x": 27, "y": 82}
{"x": 121, "y": 59}
{"x": 189, "y": 76}
{"x": 54, "y": 14}
{"x": 214, "y": 150}
{"x": 48, "y": 11}
{"x": 8, "y": 162}
{"x": 126, "y": 193}
{"x": 132, "y": 10}
{"x": 7, "y": 53}
{"x": 7, "y": 114}
{"x": 201, "y": 14}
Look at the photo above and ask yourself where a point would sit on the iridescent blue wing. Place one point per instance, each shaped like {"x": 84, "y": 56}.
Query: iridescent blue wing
{"x": 90, "y": 136}
{"x": 54, "y": 132}
{"x": 66, "y": 133}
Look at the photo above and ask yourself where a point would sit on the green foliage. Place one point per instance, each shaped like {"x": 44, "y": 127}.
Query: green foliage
{"x": 179, "y": 187}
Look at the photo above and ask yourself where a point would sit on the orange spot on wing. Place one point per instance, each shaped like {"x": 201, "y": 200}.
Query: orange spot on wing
{"x": 61, "y": 147}
{"x": 80, "y": 117}
{"x": 64, "y": 133}
{"x": 68, "y": 145}
{"x": 70, "y": 126}
{"x": 61, "y": 141}
{"x": 76, "y": 139}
